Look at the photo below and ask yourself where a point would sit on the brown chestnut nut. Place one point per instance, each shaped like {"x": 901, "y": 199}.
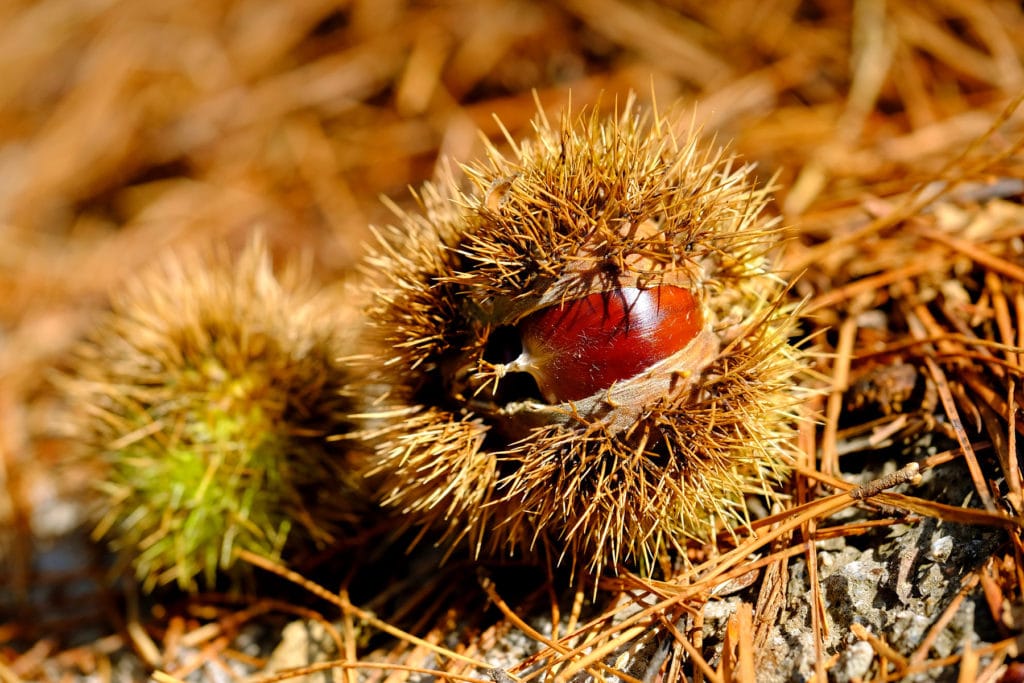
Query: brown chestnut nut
{"x": 576, "y": 348}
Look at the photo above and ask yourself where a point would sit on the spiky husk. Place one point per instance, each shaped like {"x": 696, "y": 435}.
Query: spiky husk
{"x": 208, "y": 394}
{"x": 591, "y": 205}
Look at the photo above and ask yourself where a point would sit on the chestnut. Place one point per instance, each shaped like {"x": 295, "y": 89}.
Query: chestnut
{"x": 579, "y": 350}
{"x": 579, "y": 347}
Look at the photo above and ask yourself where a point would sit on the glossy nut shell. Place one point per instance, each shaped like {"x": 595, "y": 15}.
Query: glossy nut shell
{"x": 582, "y": 346}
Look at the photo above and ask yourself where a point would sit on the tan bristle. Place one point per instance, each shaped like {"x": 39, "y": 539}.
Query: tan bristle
{"x": 206, "y": 399}
{"x": 566, "y": 224}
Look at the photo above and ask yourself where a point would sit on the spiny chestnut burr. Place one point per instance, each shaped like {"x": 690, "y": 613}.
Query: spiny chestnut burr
{"x": 582, "y": 348}
{"x": 206, "y": 398}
